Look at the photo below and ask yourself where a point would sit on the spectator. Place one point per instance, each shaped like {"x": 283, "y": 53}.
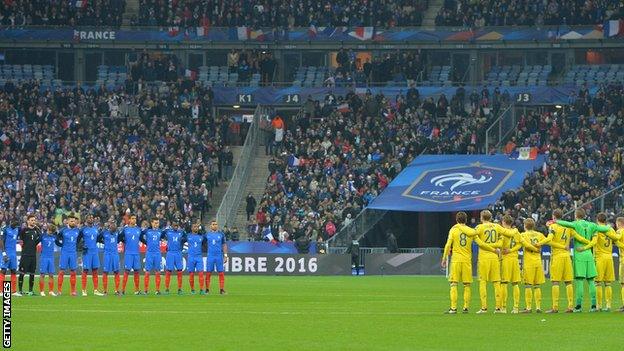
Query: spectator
{"x": 250, "y": 207}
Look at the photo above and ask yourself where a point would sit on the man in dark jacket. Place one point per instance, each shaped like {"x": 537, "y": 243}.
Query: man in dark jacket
{"x": 354, "y": 250}
{"x": 251, "y": 205}
{"x": 392, "y": 243}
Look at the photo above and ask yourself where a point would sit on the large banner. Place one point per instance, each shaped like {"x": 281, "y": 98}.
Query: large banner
{"x": 447, "y": 183}
{"x": 199, "y": 35}
{"x": 263, "y": 264}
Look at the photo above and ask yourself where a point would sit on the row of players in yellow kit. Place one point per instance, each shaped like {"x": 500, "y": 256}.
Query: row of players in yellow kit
{"x": 498, "y": 261}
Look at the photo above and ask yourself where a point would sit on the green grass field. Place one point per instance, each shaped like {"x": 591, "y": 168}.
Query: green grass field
{"x": 302, "y": 313}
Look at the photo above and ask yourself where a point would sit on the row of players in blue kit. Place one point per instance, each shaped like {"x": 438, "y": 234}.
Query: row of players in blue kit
{"x": 71, "y": 238}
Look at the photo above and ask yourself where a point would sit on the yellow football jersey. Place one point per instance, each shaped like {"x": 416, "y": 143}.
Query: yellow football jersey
{"x": 460, "y": 240}
{"x": 532, "y": 237}
{"x": 490, "y": 233}
{"x": 561, "y": 235}
{"x": 513, "y": 243}
{"x": 604, "y": 245}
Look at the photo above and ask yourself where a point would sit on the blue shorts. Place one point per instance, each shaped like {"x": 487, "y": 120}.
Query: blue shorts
{"x": 195, "y": 264}
{"x": 11, "y": 263}
{"x": 90, "y": 261}
{"x": 214, "y": 263}
{"x": 174, "y": 261}
{"x": 111, "y": 262}
{"x": 68, "y": 261}
{"x": 153, "y": 261}
{"x": 132, "y": 261}
{"x": 46, "y": 265}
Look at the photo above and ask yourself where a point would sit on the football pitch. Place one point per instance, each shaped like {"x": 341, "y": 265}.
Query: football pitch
{"x": 302, "y": 313}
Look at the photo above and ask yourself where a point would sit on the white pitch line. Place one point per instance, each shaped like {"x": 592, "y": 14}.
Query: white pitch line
{"x": 345, "y": 313}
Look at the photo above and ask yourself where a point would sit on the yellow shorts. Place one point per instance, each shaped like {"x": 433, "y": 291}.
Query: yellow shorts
{"x": 621, "y": 274}
{"x": 489, "y": 270}
{"x": 534, "y": 275}
{"x": 605, "y": 269}
{"x": 561, "y": 269}
{"x": 510, "y": 272}
{"x": 461, "y": 272}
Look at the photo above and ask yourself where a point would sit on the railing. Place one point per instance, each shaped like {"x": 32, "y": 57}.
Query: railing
{"x": 233, "y": 195}
{"x": 611, "y": 201}
{"x": 356, "y": 229}
{"x": 500, "y": 129}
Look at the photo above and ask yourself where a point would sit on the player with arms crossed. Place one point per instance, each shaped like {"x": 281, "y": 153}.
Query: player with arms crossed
{"x": 532, "y": 266}
{"x": 152, "y": 237}
{"x": 46, "y": 264}
{"x": 459, "y": 240}
{"x": 90, "y": 236}
{"x": 584, "y": 265}
{"x": 217, "y": 256}
{"x": 67, "y": 239}
{"x": 111, "y": 256}
{"x": 130, "y": 236}
{"x": 173, "y": 260}
{"x": 489, "y": 265}
{"x": 9, "y": 254}
{"x": 561, "y": 269}
{"x": 195, "y": 260}
{"x": 603, "y": 254}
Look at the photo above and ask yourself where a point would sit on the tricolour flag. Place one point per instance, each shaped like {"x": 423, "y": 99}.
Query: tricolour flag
{"x": 202, "y": 31}
{"x": 524, "y": 153}
{"x": 293, "y": 161}
{"x": 363, "y": 33}
{"x": 173, "y": 31}
{"x": 5, "y": 139}
{"x": 190, "y": 74}
{"x": 312, "y": 31}
{"x": 344, "y": 107}
{"x": 81, "y": 4}
{"x": 613, "y": 28}
{"x": 266, "y": 233}
{"x": 242, "y": 33}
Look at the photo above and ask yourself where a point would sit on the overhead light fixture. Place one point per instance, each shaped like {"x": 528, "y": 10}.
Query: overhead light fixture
{"x": 236, "y": 106}
{"x": 558, "y": 106}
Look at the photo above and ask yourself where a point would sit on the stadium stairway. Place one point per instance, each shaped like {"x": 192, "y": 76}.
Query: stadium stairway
{"x": 430, "y": 14}
{"x": 255, "y": 185}
{"x": 132, "y": 9}
{"x": 219, "y": 192}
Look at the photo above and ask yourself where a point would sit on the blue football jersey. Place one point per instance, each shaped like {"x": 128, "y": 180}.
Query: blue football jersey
{"x": 90, "y": 239}
{"x": 195, "y": 242}
{"x": 131, "y": 236}
{"x": 69, "y": 239}
{"x": 110, "y": 242}
{"x": 215, "y": 242}
{"x": 175, "y": 240}
{"x": 10, "y": 239}
{"x": 151, "y": 238}
{"x": 47, "y": 245}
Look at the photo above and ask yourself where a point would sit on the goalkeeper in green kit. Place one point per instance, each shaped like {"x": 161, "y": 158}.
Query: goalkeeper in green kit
{"x": 584, "y": 265}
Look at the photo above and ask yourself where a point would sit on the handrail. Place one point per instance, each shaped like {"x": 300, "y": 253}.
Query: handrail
{"x": 601, "y": 197}
{"x": 232, "y": 197}
{"x": 498, "y": 122}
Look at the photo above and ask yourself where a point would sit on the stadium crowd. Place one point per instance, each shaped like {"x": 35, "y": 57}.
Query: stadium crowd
{"x": 108, "y": 152}
{"x": 534, "y": 12}
{"x": 62, "y": 13}
{"x": 335, "y": 159}
{"x": 331, "y": 163}
{"x": 281, "y": 14}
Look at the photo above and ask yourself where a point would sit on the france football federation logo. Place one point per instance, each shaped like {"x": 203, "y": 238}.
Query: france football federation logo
{"x": 445, "y": 185}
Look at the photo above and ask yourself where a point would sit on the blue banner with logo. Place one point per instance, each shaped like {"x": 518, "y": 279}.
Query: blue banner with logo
{"x": 446, "y": 183}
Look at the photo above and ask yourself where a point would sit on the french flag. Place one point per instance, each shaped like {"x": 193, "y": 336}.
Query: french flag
{"x": 242, "y": 33}
{"x": 5, "y": 139}
{"x": 363, "y": 33}
{"x": 202, "y": 31}
{"x": 173, "y": 31}
{"x": 190, "y": 74}
{"x": 312, "y": 31}
{"x": 266, "y": 233}
{"x": 81, "y": 4}
{"x": 344, "y": 108}
{"x": 293, "y": 161}
{"x": 613, "y": 28}
{"x": 524, "y": 153}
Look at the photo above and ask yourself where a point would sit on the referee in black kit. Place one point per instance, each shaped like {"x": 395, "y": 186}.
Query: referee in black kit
{"x": 30, "y": 236}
